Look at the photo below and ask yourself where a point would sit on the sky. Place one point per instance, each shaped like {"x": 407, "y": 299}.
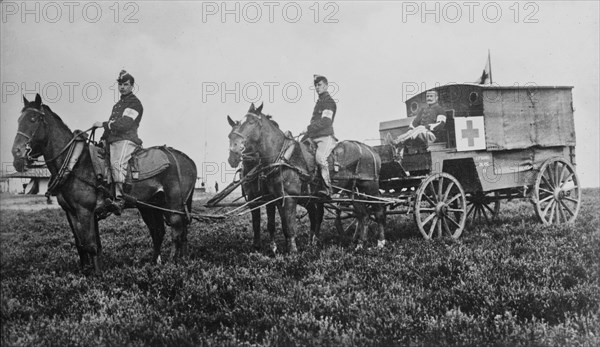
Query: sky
{"x": 197, "y": 62}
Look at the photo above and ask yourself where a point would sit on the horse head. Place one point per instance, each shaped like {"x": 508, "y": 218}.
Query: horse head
{"x": 32, "y": 133}
{"x": 243, "y": 135}
{"x": 235, "y": 142}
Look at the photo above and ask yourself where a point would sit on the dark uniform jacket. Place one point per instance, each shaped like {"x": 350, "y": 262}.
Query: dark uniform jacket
{"x": 124, "y": 120}
{"x": 320, "y": 126}
{"x": 428, "y": 115}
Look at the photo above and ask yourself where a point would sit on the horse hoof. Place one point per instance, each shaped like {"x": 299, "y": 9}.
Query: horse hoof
{"x": 380, "y": 244}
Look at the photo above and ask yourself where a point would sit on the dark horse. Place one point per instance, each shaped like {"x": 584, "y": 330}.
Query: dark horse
{"x": 289, "y": 180}
{"x": 252, "y": 188}
{"x": 42, "y": 132}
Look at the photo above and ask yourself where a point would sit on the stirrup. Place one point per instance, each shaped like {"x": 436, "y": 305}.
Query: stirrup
{"x": 115, "y": 207}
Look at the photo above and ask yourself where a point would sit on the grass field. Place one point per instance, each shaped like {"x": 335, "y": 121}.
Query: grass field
{"x": 514, "y": 282}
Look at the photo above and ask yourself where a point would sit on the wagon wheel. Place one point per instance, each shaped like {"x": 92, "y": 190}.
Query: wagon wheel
{"x": 557, "y": 197}
{"x": 482, "y": 207}
{"x": 440, "y": 205}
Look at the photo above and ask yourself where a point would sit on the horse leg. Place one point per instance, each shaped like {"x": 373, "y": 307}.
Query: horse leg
{"x": 256, "y": 227}
{"x": 156, "y": 225}
{"x": 315, "y": 213}
{"x": 360, "y": 233}
{"x": 320, "y": 209}
{"x": 178, "y": 224}
{"x": 83, "y": 257}
{"x": 312, "y": 215}
{"x": 85, "y": 226}
{"x": 284, "y": 228}
{"x": 271, "y": 223}
{"x": 380, "y": 218}
{"x": 287, "y": 212}
{"x": 97, "y": 260}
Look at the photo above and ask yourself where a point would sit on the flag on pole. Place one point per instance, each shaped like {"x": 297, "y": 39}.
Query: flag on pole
{"x": 486, "y": 75}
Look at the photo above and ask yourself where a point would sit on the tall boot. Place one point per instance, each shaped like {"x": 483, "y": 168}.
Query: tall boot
{"x": 118, "y": 204}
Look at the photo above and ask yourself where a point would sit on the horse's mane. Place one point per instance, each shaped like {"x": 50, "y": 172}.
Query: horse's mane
{"x": 46, "y": 109}
{"x": 269, "y": 117}
{"x": 60, "y": 122}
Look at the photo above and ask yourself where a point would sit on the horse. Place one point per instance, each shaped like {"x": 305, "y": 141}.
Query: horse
{"x": 167, "y": 195}
{"x": 288, "y": 179}
{"x": 252, "y": 189}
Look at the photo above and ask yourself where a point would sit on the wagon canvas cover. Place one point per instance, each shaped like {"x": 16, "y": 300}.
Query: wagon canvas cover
{"x": 518, "y": 118}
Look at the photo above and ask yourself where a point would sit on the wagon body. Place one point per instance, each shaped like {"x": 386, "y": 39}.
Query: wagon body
{"x": 498, "y": 143}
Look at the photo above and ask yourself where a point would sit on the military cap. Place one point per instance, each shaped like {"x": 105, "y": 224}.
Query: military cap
{"x": 319, "y": 78}
{"x": 125, "y": 76}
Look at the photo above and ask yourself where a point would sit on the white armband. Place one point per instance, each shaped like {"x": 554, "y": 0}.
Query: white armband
{"x": 131, "y": 113}
{"x": 327, "y": 114}
{"x": 441, "y": 118}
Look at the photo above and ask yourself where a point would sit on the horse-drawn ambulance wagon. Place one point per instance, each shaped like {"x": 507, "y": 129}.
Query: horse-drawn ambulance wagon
{"x": 499, "y": 143}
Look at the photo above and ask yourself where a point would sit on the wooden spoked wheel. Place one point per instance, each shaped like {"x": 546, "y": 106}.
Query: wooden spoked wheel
{"x": 440, "y": 206}
{"x": 482, "y": 207}
{"x": 557, "y": 196}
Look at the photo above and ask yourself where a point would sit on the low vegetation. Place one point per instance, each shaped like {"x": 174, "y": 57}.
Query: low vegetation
{"x": 514, "y": 282}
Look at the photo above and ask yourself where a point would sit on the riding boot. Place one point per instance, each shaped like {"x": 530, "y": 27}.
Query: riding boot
{"x": 116, "y": 206}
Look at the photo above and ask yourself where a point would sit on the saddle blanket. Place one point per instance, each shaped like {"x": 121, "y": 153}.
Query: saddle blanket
{"x": 148, "y": 162}
{"x": 144, "y": 163}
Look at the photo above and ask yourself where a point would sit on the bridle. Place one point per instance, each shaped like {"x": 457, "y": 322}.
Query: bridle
{"x": 247, "y": 155}
{"x": 41, "y": 118}
{"x": 242, "y": 135}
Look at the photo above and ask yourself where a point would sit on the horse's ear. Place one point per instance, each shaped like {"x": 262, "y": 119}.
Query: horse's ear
{"x": 231, "y": 122}
{"x": 259, "y": 109}
{"x": 25, "y": 101}
{"x": 252, "y": 108}
{"x": 38, "y": 101}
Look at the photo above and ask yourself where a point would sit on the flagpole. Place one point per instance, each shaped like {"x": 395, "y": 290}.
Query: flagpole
{"x": 490, "y": 62}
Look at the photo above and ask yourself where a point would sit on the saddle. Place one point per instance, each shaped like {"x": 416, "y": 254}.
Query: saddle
{"x": 144, "y": 163}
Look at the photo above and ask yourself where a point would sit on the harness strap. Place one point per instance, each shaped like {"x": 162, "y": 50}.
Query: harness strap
{"x": 24, "y": 135}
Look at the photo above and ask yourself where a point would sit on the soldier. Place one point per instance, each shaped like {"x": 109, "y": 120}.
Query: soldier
{"x": 120, "y": 134}
{"x": 429, "y": 121}
{"x": 320, "y": 130}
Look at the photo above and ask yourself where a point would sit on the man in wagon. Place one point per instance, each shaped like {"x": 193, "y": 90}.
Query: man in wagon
{"x": 121, "y": 135}
{"x": 320, "y": 130}
{"x": 428, "y": 124}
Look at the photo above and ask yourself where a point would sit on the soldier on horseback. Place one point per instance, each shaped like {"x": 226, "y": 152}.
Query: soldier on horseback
{"x": 320, "y": 130}
{"x": 120, "y": 134}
